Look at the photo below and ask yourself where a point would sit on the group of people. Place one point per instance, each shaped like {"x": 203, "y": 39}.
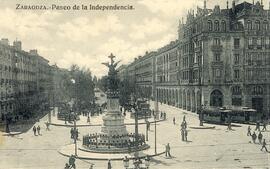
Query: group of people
{"x": 36, "y": 130}
{"x": 254, "y": 136}
{"x": 184, "y": 132}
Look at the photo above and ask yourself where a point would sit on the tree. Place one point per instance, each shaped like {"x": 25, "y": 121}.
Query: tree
{"x": 83, "y": 88}
{"x": 126, "y": 88}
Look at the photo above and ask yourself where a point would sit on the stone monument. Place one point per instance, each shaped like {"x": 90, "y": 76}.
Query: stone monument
{"x": 114, "y": 137}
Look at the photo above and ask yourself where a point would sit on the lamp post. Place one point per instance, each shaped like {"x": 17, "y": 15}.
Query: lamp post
{"x": 155, "y": 136}
{"x": 200, "y": 86}
{"x": 136, "y": 123}
{"x": 75, "y": 117}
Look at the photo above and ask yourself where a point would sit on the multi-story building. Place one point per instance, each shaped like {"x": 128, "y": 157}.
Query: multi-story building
{"x": 166, "y": 71}
{"x": 221, "y": 58}
{"x": 25, "y": 81}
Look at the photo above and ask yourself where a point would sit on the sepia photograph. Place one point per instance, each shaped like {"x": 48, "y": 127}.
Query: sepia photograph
{"x": 134, "y": 84}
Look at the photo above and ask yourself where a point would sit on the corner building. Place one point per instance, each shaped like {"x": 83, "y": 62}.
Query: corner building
{"x": 221, "y": 58}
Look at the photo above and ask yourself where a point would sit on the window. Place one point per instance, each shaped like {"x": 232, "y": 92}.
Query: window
{"x": 236, "y": 90}
{"x": 216, "y": 41}
{"x": 236, "y": 74}
{"x": 254, "y": 41}
{"x": 216, "y": 26}
{"x": 217, "y": 57}
{"x": 267, "y": 41}
{"x": 249, "y": 25}
{"x": 236, "y": 43}
{"x": 259, "y": 42}
{"x": 236, "y": 59}
{"x": 249, "y": 41}
{"x": 257, "y": 25}
{"x": 223, "y": 25}
{"x": 217, "y": 73}
{"x": 210, "y": 26}
{"x": 265, "y": 25}
{"x": 257, "y": 90}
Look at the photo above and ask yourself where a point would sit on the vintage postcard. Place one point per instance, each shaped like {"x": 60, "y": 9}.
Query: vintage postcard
{"x": 134, "y": 84}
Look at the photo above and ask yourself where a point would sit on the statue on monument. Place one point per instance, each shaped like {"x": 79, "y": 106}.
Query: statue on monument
{"x": 112, "y": 75}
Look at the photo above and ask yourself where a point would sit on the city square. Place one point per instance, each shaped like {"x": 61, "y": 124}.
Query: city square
{"x": 189, "y": 89}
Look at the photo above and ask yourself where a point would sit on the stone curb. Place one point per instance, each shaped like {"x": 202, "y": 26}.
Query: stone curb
{"x": 112, "y": 159}
{"x": 11, "y": 133}
{"x": 86, "y": 125}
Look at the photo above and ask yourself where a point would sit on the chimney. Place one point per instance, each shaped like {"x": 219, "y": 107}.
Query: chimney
{"x": 204, "y": 4}
{"x": 17, "y": 45}
{"x": 4, "y": 41}
{"x": 227, "y": 4}
{"x": 33, "y": 52}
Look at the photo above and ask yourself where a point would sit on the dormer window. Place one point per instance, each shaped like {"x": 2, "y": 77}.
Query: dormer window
{"x": 249, "y": 25}
{"x": 223, "y": 25}
{"x": 210, "y": 25}
{"x": 257, "y": 25}
{"x": 216, "y": 27}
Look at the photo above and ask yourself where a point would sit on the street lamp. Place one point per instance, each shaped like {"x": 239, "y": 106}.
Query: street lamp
{"x": 75, "y": 117}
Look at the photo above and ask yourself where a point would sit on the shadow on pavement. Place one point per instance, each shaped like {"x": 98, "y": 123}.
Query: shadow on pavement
{"x": 23, "y": 126}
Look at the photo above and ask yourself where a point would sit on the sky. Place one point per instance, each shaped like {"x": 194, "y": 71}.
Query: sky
{"x": 87, "y": 37}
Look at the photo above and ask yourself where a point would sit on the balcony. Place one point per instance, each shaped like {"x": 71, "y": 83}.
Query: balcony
{"x": 217, "y": 63}
{"x": 216, "y": 48}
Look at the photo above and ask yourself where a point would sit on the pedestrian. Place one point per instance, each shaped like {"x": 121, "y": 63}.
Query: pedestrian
{"x": 254, "y": 137}
{"x": 88, "y": 119}
{"x": 167, "y": 150}
{"x": 47, "y": 126}
{"x": 173, "y": 120}
{"x": 249, "y": 131}
{"x": 71, "y": 161}
{"x": 76, "y": 134}
{"x": 71, "y": 133}
{"x": 148, "y": 125}
{"x": 229, "y": 126}
{"x": 186, "y": 133}
{"x": 257, "y": 126}
{"x": 34, "y": 130}
{"x": 109, "y": 164}
{"x": 264, "y": 125}
{"x": 38, "y": 130}
{"x": 260, "y": 136}
{"x": 91, "y": 166}
{"x": 183, "y": 134}
{"x": 264, "y": 146}
{"x": 184, "y": 125}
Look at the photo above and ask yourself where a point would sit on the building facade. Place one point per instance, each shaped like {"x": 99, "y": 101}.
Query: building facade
{"x": 25, "y": 82}
{"x": 221, "y": 58}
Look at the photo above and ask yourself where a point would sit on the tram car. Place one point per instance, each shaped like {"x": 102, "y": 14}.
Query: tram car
{"x": 65, "y": 113}
{"x": 222, "y": 115}
{"x": 143, "y": 110}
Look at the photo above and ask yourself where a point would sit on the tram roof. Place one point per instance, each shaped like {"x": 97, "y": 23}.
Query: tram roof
{"x": 233, "y": 109}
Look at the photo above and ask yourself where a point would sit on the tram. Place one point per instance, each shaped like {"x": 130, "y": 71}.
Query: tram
{"x": 143, "y": 110}
{"x": 236, "y": 114}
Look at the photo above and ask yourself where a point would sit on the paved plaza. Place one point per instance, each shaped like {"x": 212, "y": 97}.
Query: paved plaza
{"x": 205, "y": 148}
